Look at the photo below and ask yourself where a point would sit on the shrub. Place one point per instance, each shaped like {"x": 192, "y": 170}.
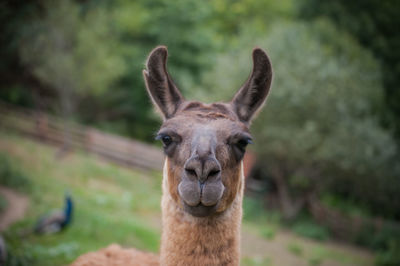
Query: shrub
{"x": 10, "y": 175}
{"x": 3, "y": 204}
{"x": 345, "y": 206}
{"x": 389, "y": 256}
{"x": 268, "y": 232}
{"x": 314, "y": 261}
{"x": 254, "y": 211}
{"x": 308, "y": 228}
{"x": 295, "y": 249}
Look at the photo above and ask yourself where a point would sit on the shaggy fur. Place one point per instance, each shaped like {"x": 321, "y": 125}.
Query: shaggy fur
{"x": 188, "y": 240}
{"x": 114, "y": 255}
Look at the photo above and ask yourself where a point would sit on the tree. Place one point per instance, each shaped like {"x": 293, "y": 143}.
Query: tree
{"x": 13, "y": 16}
{"x": 320, "y": 121}
{"x": 376, "y": 25}
{"x": 71, "y": 52}
{"x": 141, "y": 26}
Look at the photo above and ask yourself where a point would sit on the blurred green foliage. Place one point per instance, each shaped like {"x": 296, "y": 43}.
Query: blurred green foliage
{"x": 345, "y": 206}
{"x": 315, "y": 261}
{"x": 389, "y": 256}
{"x": 11, "y": 175}
{"x": 268, "y": 231}
{"x": 252, "y": 213}
{"x": 320, "y": 124}
{"x": 75, "y": 53}
{"x": 310, "y": 229}
{"x": 247, "y": 261}
{"x": 376, "y": 25}
{"x": 295, "y": 249}
{"x": 3, "y": 203}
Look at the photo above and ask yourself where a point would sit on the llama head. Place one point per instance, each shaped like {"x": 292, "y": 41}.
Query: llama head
{"x": 205, "y": 143}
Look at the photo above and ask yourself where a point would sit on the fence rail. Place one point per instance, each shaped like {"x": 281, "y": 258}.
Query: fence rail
{"x": 53, "y": 130}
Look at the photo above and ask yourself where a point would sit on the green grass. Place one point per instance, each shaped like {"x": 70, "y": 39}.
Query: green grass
{"x": 113, "y": 204}
{"x": 315, "y": 261}
{"x": 295, "y": 248}
{"x": 320, "y": 253}
{"x": 266, "y": 222}
{"x": 11, "y": 175}
{"x": 268, "y": 231}
{"x": 308, "y": 228}
{"x": 255, "y": 212}
{"x": 255, "y": 261}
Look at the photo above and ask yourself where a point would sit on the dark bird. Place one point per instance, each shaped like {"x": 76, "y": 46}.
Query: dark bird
{"x": 3, "y": 251}
{"x": 56, "y": 221}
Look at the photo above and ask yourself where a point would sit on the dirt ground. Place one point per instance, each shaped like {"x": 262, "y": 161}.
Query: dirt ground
{"x": 17, "y": 205}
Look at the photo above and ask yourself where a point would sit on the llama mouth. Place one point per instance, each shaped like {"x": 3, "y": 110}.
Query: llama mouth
{"x": 200, "y": 210}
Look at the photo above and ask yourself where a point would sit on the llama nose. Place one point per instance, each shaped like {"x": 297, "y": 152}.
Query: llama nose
{"x": 202, "y": 169}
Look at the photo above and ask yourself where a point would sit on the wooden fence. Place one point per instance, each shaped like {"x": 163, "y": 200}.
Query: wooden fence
{"x": 53, "y": 130}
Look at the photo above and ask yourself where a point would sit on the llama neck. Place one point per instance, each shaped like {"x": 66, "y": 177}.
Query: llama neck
{"x": 188, "y": 240}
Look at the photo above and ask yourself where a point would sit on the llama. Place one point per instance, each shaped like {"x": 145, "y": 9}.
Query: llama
{"x": 203, "y": 177}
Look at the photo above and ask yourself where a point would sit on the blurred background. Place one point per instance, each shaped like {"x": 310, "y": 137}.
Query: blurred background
{"x": 77, "y": 127}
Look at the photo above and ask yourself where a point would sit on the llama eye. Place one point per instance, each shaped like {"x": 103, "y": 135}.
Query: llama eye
{"x": 242, "y": 143}
{"x": 166, "y": 139}
{"x": 239, "y": 147}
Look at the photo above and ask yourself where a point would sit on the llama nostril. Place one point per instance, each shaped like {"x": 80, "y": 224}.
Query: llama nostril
{"x": 196, "y": 168}
{"x": 213, "y": 172}
{"x": 206, "y": 175}
{"x": 191, "y": 172}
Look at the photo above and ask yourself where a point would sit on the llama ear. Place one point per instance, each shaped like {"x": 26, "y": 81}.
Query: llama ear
{"x": 162, "y": 90}
{"x": 253, "y": 93}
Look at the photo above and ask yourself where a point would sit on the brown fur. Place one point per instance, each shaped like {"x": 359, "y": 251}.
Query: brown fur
{"x": 188, "y": 240}
{"x": 203, "y": 173}
{"x": 114, "y": 255}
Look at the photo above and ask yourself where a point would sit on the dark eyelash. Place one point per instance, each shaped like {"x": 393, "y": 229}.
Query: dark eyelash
{"x": 245, "y": 141}
{"x": 165, "y": 138}
{"x": 159, "y": 136}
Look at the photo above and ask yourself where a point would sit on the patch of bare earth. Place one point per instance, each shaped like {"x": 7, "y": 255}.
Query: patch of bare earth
{"x": 17, "y": 205}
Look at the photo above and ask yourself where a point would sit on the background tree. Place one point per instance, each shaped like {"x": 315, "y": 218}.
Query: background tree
{"x": 376, "y": 25}
{"x": 59, "y": 50}
{"x": 14, "y": 76}
{"x": 142, "y": 25}
{"x": 320, "y": 120}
